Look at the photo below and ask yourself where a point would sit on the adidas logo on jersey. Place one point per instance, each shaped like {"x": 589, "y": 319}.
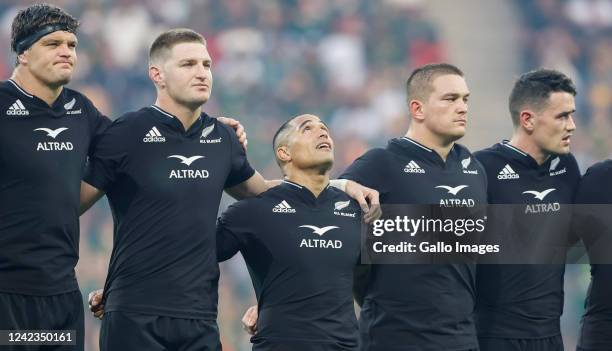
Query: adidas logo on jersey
{"x": 154, "y": 136}
{"x": 413, "y": 167}
{"x": 283, "y": 207}
{"x": 17, "y": 109}
{"x": 507, "y": 173}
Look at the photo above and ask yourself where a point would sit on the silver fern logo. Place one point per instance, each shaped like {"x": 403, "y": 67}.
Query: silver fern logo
{"x": 206, "y": 133}
{"x": 341, "y": 204}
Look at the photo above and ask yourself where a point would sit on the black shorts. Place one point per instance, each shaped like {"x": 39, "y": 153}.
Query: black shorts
{"x": 55, "y": 312}
{"x": 554, "y": 343}
{"x": 135, "y": 331}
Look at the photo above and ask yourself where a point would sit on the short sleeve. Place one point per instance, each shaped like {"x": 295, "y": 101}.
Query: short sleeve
{"x": 109, "y": 153}
{"x": 232, "y": 231}
{"x": 98, "y": 123}
{"x": 240, "y": 170}
{"x": 483, "y": 173}
{"x": 369, "y": 170}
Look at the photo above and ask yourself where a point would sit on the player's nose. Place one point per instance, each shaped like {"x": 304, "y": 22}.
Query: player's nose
{"x": 462, "y": 107}
{"x": 65, "y": 50}
{"x": 571, "y": 125}
{"x": 201, "y": 73}
{"x": 324, "y": 133}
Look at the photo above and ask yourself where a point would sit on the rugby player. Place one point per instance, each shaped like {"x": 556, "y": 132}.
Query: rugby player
{"x": 519, "y": 306}
{"x": 423, "y": 307}
{"x": 45, "y": 134}
{"x": 300, "y": 241}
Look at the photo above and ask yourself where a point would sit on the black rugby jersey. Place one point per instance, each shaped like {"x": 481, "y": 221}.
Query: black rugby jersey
{"x": 419, "y": 307}
{"x": 525, "y": 301}
{"x": 164, "y": 185}
{"x": 301, "y": 252}
{"x": 594, "y": 197}
{"x": 43, "y": 151}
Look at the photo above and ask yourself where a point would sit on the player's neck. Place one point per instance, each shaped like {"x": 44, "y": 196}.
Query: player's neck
{"x": 187, "y": 115}
{"x": 312, "y": 180}
{"x": 33, "y": 86}
{"x": 428, "y": 139}
{"x": 525, "y": 144}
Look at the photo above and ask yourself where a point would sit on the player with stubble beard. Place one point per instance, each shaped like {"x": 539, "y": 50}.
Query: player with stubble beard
{"x": 422, "y": 306}
{"x": 46, "y": 131}
{"x": 519, "y": 305}
{"x": 301, "y": 243}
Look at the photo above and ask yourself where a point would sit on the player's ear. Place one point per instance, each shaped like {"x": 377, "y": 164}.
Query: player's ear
{"x": 416, "y": 109}
{"x": 156, "y": 75}
{"x": 526, "y": 120}
{"x": 283, "y": 154}
{"x": 22, "y": 58}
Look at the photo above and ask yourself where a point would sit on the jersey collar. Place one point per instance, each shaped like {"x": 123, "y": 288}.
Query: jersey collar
{"x": 522, "y": 157}
{"x": 56, "y": 110}
{"x": 304, "y": 194}
{"x": 173, "y": 122}
{"x": 19, "y": 89}
{"x": 412, "y": 148}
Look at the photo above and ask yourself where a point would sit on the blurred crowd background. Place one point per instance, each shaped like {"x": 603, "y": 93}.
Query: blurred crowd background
{"x": 344, "y": 60}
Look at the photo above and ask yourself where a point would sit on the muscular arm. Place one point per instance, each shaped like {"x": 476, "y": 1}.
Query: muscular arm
{"x": 251, "y": 187}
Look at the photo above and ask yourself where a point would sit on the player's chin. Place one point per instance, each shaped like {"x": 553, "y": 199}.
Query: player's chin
{"x": 458, "y": 132}
{"x": 62, "y": 78}
{"x": 324, "y": 162}
{"x": 325, "y": 154}
{"x": 199, "y": 99}
{"x": 563, "y": 149}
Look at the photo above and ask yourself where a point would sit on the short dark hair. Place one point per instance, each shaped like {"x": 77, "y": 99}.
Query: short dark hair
{"x": 166, "y": 41}
{"x": 35, "y": 18}
{"x": 279, "y": 137}
{"x": 418, "y": 85}
{"x": 534, "y": 88}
